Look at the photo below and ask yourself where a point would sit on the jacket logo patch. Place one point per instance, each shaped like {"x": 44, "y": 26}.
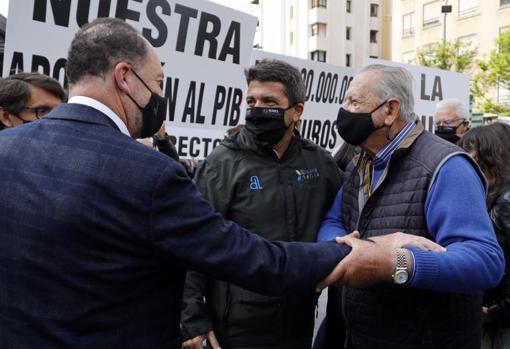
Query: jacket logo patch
{"x": 255, "y": 183}
{"x": 307, "y": 174}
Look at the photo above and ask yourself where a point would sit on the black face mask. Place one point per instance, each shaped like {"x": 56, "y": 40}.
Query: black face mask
{"x": 448, "y": 133}
{"x": 154, "y": 112}
{"x": 266, "y": 124}
{"x": 355, "y": 128}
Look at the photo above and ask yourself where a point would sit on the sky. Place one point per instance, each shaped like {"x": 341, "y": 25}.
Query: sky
{"x": 3, "y": 7}
{"x": 237, "y": 4}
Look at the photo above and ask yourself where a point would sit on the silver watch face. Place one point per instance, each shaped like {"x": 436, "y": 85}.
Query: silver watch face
{"x": 401, "y": 276}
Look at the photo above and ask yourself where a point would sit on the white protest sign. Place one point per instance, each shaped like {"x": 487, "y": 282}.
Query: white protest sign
{"x": 430, "y": 87}
{"x": 326, "y": 85}
{"x": 204, "y": 48}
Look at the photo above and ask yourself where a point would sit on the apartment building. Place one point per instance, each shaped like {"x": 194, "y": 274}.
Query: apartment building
{"x": 478, "y": 23}
{"x": 341, "y": 32}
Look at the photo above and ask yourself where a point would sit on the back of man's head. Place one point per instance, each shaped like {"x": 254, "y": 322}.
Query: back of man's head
{"x": 101, "y": 44}
{"x": 279, "y": 71}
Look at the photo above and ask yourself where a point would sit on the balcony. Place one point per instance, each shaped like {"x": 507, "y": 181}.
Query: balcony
{"x": 469, "y": 12}
{"x": 408, "y": 32}
{"x": 431, "y": 22}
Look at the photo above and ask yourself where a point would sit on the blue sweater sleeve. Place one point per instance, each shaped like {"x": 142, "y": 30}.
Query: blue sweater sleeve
{"x": 457, "y": 219}
{"x": 332, "y": 225}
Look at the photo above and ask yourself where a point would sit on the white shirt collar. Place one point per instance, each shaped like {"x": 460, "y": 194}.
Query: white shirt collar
{"x": 94, "y": 103}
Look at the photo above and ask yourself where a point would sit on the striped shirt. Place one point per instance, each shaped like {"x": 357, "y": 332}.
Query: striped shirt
{"x": 384, "y": 155}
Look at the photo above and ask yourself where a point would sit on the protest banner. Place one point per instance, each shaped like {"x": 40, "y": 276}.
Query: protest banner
{"x": 204, "y": 48}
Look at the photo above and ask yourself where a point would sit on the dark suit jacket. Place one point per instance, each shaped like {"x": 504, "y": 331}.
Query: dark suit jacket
{"x": 97, "y": 230}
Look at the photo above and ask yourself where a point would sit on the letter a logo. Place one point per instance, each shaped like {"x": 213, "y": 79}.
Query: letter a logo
{"x": 255, "y": 183}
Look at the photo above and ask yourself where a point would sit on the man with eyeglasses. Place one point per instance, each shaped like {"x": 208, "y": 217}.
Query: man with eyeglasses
{"x": 26, "y": 97}
{"x": 451, "y": 119}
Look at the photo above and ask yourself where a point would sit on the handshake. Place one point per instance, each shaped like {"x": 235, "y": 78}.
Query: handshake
{"x": 374, "y": 260}
{"x": 371, "y": 261}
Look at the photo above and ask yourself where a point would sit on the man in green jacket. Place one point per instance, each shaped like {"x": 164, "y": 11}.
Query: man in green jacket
{"x": 268, "y": 179}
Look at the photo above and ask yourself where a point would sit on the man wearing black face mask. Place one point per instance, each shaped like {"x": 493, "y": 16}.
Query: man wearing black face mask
{"x": 27, "y": 97}
{"x": 271, "y": 181}
{"x": 408, "y": 180}
{"x": 97, "y": 230}
{"x": 451, "y": 120}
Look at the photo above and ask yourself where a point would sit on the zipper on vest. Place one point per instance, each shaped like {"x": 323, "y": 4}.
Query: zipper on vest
{"x": 381, "y": 180}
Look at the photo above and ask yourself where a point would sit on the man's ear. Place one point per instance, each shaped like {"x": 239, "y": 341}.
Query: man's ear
{"x": 298, "y": 111}
{"x": 6, "y": 118}
{"x": 120, "y": 75}
{"x": 393, "y": 111}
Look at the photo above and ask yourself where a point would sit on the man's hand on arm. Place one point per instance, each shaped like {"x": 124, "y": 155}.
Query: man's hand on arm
{"x": 373, "y": 260}
{"x": 401, "y": 240}
{"x": 197, "y": 342}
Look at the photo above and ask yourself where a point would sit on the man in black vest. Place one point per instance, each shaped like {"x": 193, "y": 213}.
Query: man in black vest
{"x": 408, "y": 180}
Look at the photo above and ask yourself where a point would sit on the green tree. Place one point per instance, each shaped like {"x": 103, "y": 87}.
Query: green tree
{"x": 495, "y": 72}
{"x": 452, "y": 55}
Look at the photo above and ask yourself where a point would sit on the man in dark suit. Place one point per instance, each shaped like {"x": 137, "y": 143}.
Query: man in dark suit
{"x": 97, "y": 230}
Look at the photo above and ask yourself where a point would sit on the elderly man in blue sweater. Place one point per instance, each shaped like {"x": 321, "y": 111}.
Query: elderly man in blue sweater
{"x": 408, "y": 180}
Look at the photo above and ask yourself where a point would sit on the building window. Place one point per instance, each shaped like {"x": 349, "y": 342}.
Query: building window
{"x": 408, "y": 57}
{"x": 431, "y": 12}
{"x": 291, "y": 12}
{"x": 374, "y": 9}
{"x": 319, "y": 3}
{"x": 348, "y": 60}
{"x": 315, "y": 29}
{"x": 468, "y": 7}
{"x": 408, "y": 25}
{"x": 318, "y": 56}
{"x": 373, "y": 36}
{"x": 375, "y": 57}
{"x": 504, "y": 2}
{"x": 291, "y": 38}
{"x": 348, "y": 5}
{"x": 318, "y": 29}
{"x": 469, "y": 42}
{"x": 347, "y": 33}
{"x": 503, "y": 95}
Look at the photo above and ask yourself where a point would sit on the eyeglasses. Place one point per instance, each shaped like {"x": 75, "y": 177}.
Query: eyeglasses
{"x": 39, "y": 112}
{"x": 450, "y": 123}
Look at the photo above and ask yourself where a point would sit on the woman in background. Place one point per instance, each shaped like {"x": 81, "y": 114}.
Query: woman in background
{"x": 490, "y": 148}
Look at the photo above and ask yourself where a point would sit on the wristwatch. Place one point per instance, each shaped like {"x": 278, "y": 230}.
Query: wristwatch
{"x": 400, "y": 276}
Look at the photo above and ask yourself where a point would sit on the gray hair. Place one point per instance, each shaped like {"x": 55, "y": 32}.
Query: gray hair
{"x": 455, "y": 104}
{"x": 395, "y": 82}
